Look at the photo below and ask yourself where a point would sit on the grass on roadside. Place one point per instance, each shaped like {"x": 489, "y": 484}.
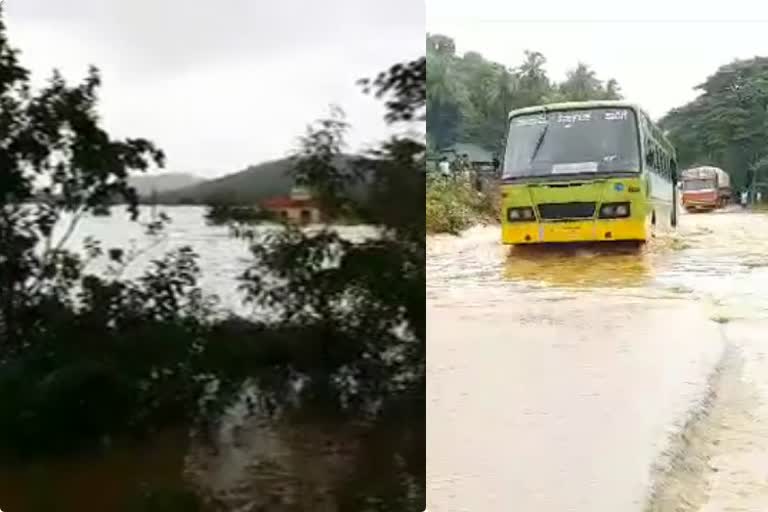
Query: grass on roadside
{"x": 453, "y": 206}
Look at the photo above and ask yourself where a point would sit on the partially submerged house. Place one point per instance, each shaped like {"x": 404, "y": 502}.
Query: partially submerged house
{"x": 299, "y": 207}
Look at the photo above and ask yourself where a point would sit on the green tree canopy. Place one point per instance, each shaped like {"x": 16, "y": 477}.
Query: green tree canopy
{"x": 582, "y": 84}
{"x": 727, "y": 124}
{"x": 469, "y": 97}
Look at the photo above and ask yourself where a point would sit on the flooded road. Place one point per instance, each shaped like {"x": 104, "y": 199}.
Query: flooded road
{"x": 601, "y": 380}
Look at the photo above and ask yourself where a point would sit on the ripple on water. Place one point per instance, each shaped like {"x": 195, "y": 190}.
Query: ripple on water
{"x": 715, "y": 267}
{"x": 719, "y": 257}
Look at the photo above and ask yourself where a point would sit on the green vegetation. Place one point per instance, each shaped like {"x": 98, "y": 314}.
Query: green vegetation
{"x": 87, "y": 357}
{"x": 250, "y": 186}
{"x": 468, "y": 100}
{"x": 469, "y": 97}
{"x": 221, "y": 214}
{"x": 452, "y": 206}
{"x": 727, "y": 124}
{"x": 246, "y": 187}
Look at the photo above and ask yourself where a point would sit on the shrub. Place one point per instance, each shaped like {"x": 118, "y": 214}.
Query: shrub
{"x": 453, "y": 206}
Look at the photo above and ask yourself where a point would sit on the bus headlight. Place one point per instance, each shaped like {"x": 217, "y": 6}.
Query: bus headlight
{"x": 614, "y": 210}
{"x": 520, "y": 214}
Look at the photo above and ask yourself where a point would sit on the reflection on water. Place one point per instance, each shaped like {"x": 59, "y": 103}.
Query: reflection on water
{"x": 290, "y": 467}
{"x": 720, "y": 258}
{"x": 580, "y": 266}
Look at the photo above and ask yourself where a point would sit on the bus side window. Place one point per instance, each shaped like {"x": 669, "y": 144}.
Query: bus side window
{"x": 649, "y": 155}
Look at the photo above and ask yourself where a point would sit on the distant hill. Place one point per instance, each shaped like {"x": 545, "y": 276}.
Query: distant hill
{"x": 147, "y": 184}
{"x": 249, "y": 186}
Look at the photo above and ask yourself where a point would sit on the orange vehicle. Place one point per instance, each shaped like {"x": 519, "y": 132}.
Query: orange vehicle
{"x": 705, "y": 188}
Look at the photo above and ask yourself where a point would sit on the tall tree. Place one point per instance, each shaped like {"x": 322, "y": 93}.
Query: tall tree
{"x": 441, "y": 45}
{"x": 56, "y": 160}
{"x": 727, "y": 124}
{"x": 469, "y": 97}
{"x": 444, "y": 92}
{"x": 581, "y": 84}
{"x": 533, "y": 82}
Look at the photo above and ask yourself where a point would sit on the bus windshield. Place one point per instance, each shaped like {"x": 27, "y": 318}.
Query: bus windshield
{"x": 572, "y": 142}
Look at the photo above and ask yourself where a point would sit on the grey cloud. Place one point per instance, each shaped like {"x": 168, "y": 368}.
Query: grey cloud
{"x": 221, "y": 85}
{"x": 172, "y": 35}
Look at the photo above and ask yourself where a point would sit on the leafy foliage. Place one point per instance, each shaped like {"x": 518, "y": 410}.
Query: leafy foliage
{"x": 452, "y": 207}
{"x": 727, "y": 124}
{"x": 86, "y": 357}
{"x": 56, "y": 160}
{"x": 469, "y": 97}
{"x": 362, "y": 300}
{"x": 221, "y": 214}
{"x": 404, "y": 83}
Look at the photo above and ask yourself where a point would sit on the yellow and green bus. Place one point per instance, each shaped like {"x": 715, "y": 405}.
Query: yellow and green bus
{"x": 584, "y": 172}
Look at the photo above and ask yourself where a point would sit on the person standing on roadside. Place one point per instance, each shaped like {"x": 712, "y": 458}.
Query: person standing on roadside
{"x": 444, "y": 167}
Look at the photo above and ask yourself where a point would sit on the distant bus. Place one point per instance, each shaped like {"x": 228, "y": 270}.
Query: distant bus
{"x": 586, "y": 171}
{"x": 705, "y": 188}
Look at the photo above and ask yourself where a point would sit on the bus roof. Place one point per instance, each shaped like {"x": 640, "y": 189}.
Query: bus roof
{"x": 572, "y": 105}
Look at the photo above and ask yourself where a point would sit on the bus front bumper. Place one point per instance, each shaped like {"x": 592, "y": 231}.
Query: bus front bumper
{"x": 579, "y": 231}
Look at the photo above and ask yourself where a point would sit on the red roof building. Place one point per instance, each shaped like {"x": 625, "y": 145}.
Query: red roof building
{"x": 299, "y": 208}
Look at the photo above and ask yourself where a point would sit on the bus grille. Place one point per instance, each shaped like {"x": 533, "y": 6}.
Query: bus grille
{"x": 556, "y": 211}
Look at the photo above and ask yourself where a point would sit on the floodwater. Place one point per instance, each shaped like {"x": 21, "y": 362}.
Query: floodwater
{"x": 600, "y": 378}
{"x": 256, "y": 465}
{"x": 222, "y": 258}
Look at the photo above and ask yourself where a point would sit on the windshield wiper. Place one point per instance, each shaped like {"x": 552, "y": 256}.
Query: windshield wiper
{"x": 539, "y": 143}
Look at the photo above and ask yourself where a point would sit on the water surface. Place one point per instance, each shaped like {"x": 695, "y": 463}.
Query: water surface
{"x": 559, "y": 378}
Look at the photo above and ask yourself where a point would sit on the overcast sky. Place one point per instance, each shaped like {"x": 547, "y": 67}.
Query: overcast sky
{"x": 657, "y": 50}
{"x": 221, "y": 85}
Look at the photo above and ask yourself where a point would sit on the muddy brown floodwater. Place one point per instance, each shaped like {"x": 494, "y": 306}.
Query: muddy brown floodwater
{"x": 257, "y": 464}
{"x": 600, "y": 379}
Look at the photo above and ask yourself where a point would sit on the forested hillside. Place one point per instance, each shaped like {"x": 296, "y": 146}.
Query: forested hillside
{"x": 469, "y": 97}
